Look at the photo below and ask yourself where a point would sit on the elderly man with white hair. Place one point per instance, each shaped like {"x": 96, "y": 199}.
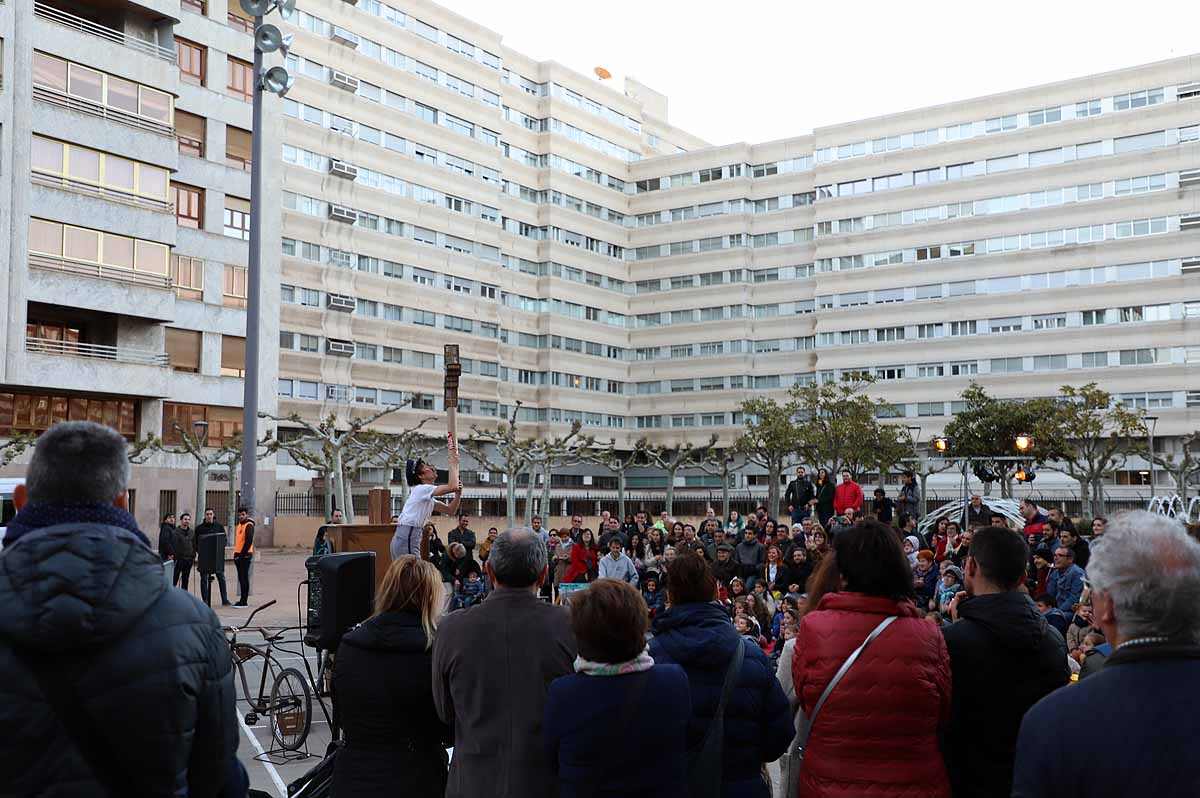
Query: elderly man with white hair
{"x": 1134, "y": 724}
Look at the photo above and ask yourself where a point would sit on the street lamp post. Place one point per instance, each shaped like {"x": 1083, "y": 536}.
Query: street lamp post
{"x": 1151, "y": 423}
{"x": 200, "y": 428}
{"x": 267, "y": 39}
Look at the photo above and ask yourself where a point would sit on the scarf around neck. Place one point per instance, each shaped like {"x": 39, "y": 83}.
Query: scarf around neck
{"x": 39, "y": 515}
{"x": 642, "y": 662}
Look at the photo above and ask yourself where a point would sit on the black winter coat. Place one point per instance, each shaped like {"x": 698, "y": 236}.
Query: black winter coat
{"x": 383, "y": 685}
{"x": 758, "y": 723}
{"x": 1004, "y": 658}
{"x": 149, "y": 666}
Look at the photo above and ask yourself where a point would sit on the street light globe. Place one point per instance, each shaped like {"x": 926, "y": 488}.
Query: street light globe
{"x": 1024, "y": 442}
{"x": 941, "y": 443}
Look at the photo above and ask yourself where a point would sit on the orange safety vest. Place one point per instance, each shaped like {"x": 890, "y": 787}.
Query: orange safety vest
{"x": 240, "y": 538}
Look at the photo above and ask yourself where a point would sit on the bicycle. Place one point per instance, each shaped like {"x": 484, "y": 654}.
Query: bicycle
{"x": 289, "y": 706}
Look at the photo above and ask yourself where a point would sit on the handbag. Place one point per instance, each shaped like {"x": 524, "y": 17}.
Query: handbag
{"x": 704, "y": 765}
{"x": 804, "y": 724}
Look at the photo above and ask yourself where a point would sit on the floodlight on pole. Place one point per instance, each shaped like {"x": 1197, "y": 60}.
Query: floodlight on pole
{"x": 268, "y": 38}
{"x": 1024, "y": 442}
{"x": 942, "y": 444}
{"x": 276, "y": 80}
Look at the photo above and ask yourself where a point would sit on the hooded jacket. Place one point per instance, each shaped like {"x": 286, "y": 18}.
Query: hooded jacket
{"x": 758, "y": 724}
{"x": 996, "y": 637}
{"x": 383, "y": 684}
{"x": 877, "y": 734}
{"x": 750, "y": 556}
{"x": 87, "y": 606}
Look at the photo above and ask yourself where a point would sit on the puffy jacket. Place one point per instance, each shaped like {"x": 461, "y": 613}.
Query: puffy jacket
{"x": 184, "y": 543}
{"x": 877, "y": 734}
{"x": 847, "y": 494}
{"x": 383, "y": 683}
{"x": 758, "y": 724}
{"x": 996, "y": 637}
{"x": 88, "y": 602}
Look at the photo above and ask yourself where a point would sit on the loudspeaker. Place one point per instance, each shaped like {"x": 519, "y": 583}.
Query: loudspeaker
{"x": 341, "y": 594}
{"x": 210, "y": 553}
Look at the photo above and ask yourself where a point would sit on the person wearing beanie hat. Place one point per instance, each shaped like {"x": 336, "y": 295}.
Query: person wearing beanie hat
{"x": 421, "y": 503}
{"x": 725, "y": 568}
{"x": 952, "y": 582}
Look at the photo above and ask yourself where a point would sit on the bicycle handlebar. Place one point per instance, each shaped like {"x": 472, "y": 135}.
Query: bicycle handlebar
{"x": 257, "y": 610}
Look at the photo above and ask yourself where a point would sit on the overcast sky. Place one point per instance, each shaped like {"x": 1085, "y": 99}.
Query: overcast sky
{"x": 771, "y": 70}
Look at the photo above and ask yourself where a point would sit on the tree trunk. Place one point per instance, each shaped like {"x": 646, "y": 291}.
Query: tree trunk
{"x": 201, "y": 491}
{"x": 348, "y": 498}
{"x": 339, "y": 470}
{"x": 511, "y": 498}
{"x": 670, "y": 494}
{"x": 774, "y": 469}
{"x": 724, "y": 497}
{"x": 621, "y": 493}
{"x": 1097, "y": 498}
{"x": 1006, "y": 487}
{"x": 233, "y": 500}
{"x": 529, "y": 491}
{"x": 545, "y": 509}
{"x": 329, "y": 494}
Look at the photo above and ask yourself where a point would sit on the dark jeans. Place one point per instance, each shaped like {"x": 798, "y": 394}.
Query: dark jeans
{"x": 206, "y": 587}
{"x": 183, "y": 569}
{"x": 800, "y": 513}
{"x": 242, "y": 563}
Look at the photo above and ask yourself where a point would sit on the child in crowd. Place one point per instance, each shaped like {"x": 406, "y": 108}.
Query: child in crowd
{"x": 470, "y": 591}
{"x": 911, "y": 545}
{"x": 656, "y": 600}
{"x": 925, "y": 580}
{"x": 952, "y": 583}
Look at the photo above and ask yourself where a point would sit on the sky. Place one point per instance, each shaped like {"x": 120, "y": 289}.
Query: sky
{"x": 781, "y": 68}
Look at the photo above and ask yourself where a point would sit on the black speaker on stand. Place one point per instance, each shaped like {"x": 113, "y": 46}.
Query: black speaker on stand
{"x": 341, "y": 594}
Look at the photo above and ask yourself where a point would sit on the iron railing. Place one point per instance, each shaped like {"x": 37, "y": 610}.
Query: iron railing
{"x": 119, "y": 354}
{"x": 58, "y": 263}
{"x": 82, "y": 25}
{"x": 64, "y": 100}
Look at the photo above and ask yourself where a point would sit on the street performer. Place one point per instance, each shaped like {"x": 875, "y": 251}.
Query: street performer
{"x": 420, "y": 477}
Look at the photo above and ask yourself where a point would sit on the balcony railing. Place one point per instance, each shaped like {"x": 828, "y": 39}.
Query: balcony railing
{"x": 83, "y": 26}
{"x": 101, "y": 270}
{"x": 241, "y": 23}
{"x": 116, "y": 195}
{"x": 118, "y": 354}
{"x": 64, "y": 100}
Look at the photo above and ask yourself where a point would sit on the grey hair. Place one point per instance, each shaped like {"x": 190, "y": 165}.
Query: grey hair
{"x": 78, "y": 461}
{"x": 1151, "y": 569}
{"x": 517, "y": 557}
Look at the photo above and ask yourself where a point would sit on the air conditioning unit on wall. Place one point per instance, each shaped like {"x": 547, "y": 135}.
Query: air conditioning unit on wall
{"x": 340, "y": 348}
{"x": 339, "y": 214}
{"x": 344, "y": 37}
{"x": 342, "y": 169}
{"x": 341, "y": 302}
{"x": 343, "y": 81}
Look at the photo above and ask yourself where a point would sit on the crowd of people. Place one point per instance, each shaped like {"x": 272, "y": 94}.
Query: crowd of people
{"x": 866, "y": 657}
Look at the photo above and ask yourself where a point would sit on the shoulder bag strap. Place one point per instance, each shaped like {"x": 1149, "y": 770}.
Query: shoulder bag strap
{"x": 735, "y": 667}
{"x": 57, "y": 688}
{"x": 802, "y": 736}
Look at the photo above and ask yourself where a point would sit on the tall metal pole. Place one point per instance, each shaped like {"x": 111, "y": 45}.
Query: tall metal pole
{"x": 253, "y": 291}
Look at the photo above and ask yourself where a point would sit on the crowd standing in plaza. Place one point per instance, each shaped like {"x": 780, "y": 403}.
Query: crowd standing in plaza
{"x": 868, "y": 657}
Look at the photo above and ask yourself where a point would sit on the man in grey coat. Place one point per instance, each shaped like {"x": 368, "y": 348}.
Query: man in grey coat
{"x": 492, "y": 665}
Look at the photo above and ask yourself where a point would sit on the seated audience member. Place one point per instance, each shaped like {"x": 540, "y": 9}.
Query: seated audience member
{"x": 1054, "y": 616}
{"x": 617, "y": 727}
{"x": 1136, "y": 718}
{"x": 656, "y": 600}
{"x": 383, "y": 682}
{"x": 925, "y": 580}
{"x": 469, "y": 591}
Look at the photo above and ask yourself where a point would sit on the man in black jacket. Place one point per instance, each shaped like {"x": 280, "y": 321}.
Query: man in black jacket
{"x": 1004, "y": 658}
{"x": 799, "y": 496}
{"x": 91, "y": 636}
{"x": 464, "y": 535}
{"x": 211, "y": 527}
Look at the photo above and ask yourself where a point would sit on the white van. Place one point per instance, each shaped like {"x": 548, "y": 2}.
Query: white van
{"x": 7, "y": 508}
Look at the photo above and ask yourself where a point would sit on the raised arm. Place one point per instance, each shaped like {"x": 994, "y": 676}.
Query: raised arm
{"x": 453, "y": 484}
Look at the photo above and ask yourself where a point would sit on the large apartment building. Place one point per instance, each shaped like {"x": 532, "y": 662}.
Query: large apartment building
{"x": 598, "y": 265}
{"x": 124, "y": 150}
{"x": 594, "y": 263}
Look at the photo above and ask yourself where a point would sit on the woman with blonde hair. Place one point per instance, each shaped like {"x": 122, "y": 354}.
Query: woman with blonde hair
{"x": 383, "y": 688}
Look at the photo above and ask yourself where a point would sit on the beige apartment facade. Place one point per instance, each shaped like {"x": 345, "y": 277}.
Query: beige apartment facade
{"x": 597, "y": 265}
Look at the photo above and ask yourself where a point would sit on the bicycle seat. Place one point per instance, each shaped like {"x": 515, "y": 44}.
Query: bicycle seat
{"x": 270, "y": 637}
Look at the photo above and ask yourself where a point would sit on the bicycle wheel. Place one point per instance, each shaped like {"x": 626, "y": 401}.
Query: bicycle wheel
{"x": 291, "y": 709}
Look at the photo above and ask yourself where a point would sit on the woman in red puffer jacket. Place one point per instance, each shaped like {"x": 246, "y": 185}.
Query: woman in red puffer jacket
{"x": 877, "y": 734}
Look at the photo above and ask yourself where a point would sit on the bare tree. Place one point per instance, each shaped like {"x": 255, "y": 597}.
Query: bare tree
{"x": 673, "y": 457}
{"x": 564, "y": 450}
{"x": 515, "y": 455}
{"x": 16, "y": 446}
{"x": 324, "y": 447}
{"x": 1183, "y": 468}
{"x": 769, "y": 441}
{"x": 724, "y": 464}
{"x": 227, "y": 455}
{"x": 619, "y": 462}
{"x": 390, "y": 450}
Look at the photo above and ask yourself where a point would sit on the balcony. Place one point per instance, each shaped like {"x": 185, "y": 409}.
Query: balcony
{"x": 238, "y": 22}
{"x": 105, "y": 192}
{"x": 82, "y": 25}
{"x": 116, "y": 354}
{"x": 104, "y": 271}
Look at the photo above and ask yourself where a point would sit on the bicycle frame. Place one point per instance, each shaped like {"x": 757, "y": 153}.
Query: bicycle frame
{"x": 239, "y": 661}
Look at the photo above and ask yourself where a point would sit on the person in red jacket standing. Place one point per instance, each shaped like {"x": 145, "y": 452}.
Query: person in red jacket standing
{"x": 893, "y": 701}
{"x": 849, "y": 494}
